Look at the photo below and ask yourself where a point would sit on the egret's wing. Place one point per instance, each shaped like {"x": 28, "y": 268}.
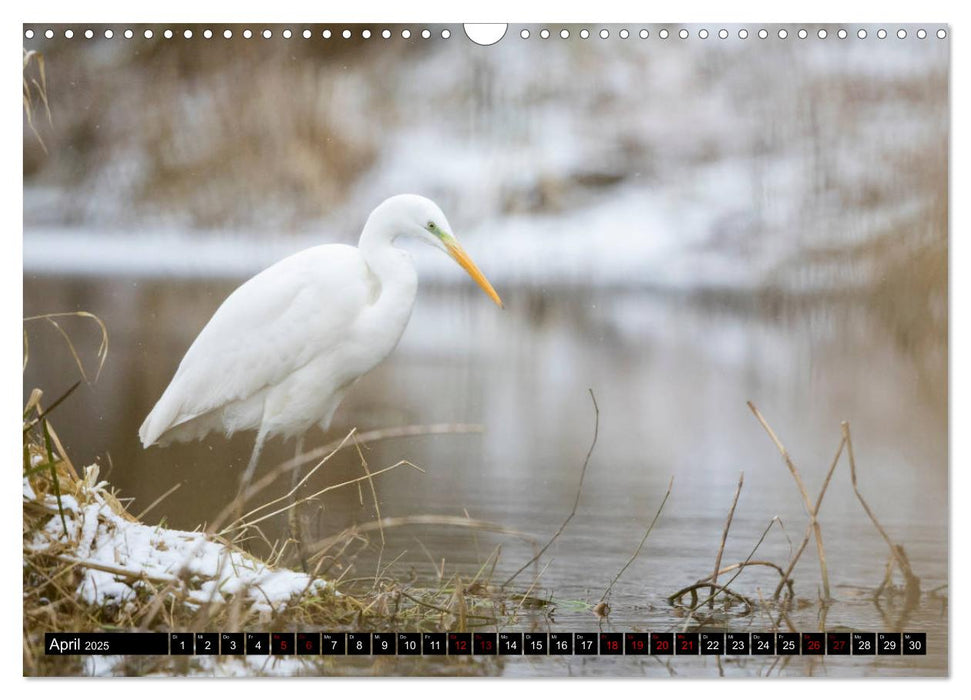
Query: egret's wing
{"x": 268, "y": 328}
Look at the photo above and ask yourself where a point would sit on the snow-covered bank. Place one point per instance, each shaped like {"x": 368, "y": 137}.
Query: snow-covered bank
{"x": 118, "y": 556}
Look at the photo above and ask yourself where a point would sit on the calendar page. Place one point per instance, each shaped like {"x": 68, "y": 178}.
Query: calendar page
{"x": 613, "y": 350}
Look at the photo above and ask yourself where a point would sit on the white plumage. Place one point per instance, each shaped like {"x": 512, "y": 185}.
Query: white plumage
{"x": 282, "y": 350}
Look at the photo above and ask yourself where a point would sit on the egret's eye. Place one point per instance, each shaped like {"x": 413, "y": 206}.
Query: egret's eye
{"x": 431, "y": 226}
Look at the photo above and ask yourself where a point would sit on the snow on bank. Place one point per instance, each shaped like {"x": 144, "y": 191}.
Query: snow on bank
{"x": 117, "y": 556}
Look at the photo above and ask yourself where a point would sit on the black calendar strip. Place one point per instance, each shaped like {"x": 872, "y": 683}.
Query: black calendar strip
{"x": 488, "y": 643}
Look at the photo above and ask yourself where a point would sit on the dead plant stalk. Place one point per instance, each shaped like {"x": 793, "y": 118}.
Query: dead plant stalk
{"x": 813, "y": 522}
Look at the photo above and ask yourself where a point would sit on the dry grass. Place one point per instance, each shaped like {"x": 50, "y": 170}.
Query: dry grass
{"x": 736, "y": 604}
{"x": 53, "y": 573}
{"x": 35, "y": 92}
{"x": 166, "y": 603}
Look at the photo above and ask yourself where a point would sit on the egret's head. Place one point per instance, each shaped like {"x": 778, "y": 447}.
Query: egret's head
{"x": 419, "y": 217}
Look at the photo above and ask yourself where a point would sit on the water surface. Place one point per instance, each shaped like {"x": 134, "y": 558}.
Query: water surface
{"x": 671, "y": 374}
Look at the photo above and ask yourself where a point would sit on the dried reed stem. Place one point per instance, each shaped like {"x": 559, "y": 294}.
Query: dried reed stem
{"x": 714, "y": 588}
{"x": 294, "y": 524}
{"x": 809, "y": 528}
{"x": 411, "y": 520}
{"x": 102, "y": 348}
{"x": 728, "y": 525}
{"x": 576, "y": 502}
{"x": 641, "y": 545}
{"x": 374, "y": 493}
{"x": 334, "y": 446}
{"x": 530, "y": 589}
{"x": 231, "y": 507}
{"x": 158, "y": 500}
{"x": 897, "y": 554}
{"x": 814, "y": 523}
{"x": 350, "y": 482}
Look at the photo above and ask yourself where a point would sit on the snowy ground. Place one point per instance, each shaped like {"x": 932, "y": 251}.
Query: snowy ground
{"x": 118, "y": 557}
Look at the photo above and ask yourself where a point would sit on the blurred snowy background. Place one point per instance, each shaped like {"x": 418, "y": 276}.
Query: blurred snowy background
{"x": 698, "y": 163}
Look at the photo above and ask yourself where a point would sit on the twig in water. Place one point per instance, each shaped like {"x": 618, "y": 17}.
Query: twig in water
{"x": 730, "y": 594}
{"x": 374, "y": 493}
{"x": 493, "y": 558}
{"x": 728, "y": 525}
{"x": 576, "y": 502}
{"x": 159, "y": 500}
{"x": 458, "y": 607}
{"x": 817, "y": 529}
{"x": 741, "y": 568}
{"x": 244, "y": 524}
{"x": 809, "y": 528}
{"x": 412, "y": 520}
{"x": 897, "y": 554}
{"x": 495, "y": 562}
{"x": 530, "y": 589}
{"x": 445, "y": 611}
{"x": 230, "y": 508}
{"x": 382, "y": 569}
{"x": 641, "y": 545}
{"x": 339, "y": 444}
{"x": 772, "y": 565}
{"x": 439, "y": 572}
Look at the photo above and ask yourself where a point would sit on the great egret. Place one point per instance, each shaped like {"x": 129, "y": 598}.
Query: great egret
{"x": 281, "y": 352}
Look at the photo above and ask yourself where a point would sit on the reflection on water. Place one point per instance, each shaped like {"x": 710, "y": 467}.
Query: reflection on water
{"x": 671, "y": 376}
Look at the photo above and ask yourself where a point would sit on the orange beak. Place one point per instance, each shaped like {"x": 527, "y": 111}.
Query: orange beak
{"x": 463, "y": 259}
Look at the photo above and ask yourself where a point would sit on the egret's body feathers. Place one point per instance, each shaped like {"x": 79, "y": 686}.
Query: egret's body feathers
{"x": 280, "y": 353}
{"x": 277, "y": 349}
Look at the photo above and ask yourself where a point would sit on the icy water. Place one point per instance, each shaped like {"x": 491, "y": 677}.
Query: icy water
{"x": 671, "y": 375}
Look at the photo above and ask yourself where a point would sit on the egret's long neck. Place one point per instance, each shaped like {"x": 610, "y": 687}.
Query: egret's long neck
{"x": 391, "y": 267}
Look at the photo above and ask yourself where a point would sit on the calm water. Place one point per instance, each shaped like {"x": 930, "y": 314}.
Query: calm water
{"x": 671, "y": 375}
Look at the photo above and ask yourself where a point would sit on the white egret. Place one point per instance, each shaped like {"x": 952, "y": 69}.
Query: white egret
{"x": 280, "y": 353}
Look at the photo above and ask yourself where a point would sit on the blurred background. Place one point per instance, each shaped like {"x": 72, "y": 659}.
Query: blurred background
{"x": 680, "y": 225}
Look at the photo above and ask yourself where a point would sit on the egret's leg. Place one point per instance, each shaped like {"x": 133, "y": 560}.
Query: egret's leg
{"x": 247, "y": 477}
{"x": 297, "y": 473}
{"x": 293, "y": 517}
